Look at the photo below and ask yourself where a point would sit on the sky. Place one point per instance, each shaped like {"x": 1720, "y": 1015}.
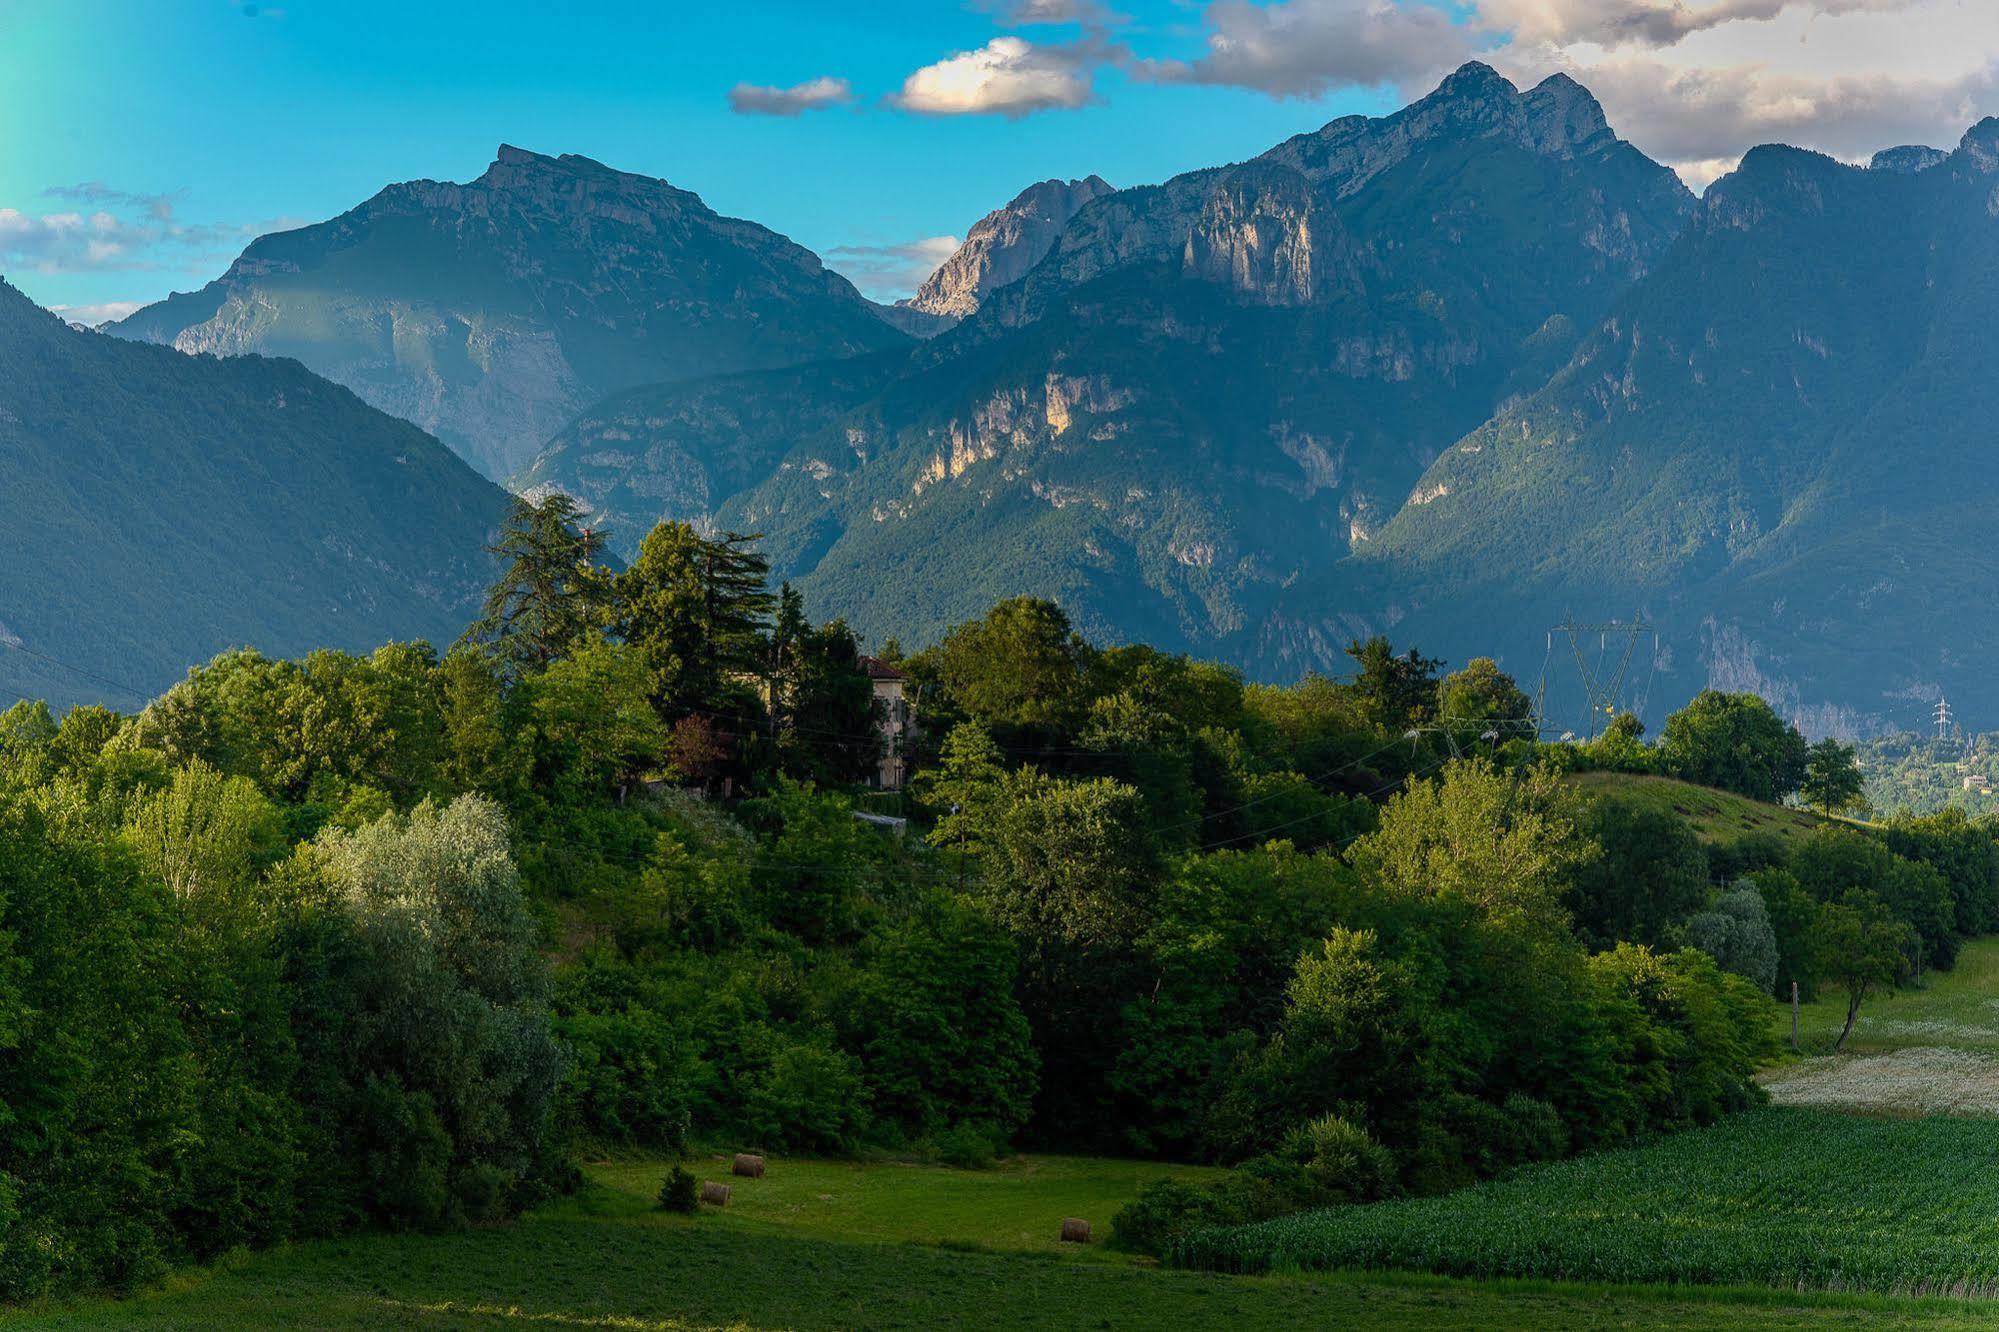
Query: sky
{"x": 143, "y": 143}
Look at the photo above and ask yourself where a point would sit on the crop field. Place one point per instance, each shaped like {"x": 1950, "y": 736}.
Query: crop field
{"x": 834, "y": 1245}
{"x": 1785, "y": 1198}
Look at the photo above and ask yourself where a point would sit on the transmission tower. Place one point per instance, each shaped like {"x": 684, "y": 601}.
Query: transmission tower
{"x": 1943, "y": 718}
{"x": 1602, "y": 684}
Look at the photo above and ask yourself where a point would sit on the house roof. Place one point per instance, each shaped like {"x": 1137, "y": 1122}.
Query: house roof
{"x": 878, "y": 669}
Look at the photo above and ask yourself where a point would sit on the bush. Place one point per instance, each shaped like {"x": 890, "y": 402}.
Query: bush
{"x": 967, "y": 1146}
{"x": 679, "y": 1192}
{"x": 808, "y": 1099}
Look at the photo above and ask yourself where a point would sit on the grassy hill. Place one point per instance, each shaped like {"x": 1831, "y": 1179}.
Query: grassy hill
{"x": 1719, "y": 817}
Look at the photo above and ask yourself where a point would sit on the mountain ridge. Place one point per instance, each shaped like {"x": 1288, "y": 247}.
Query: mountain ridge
{"x": 491, "y": 312}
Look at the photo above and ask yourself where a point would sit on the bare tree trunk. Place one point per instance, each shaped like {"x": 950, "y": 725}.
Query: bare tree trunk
{"x": 1852, "y": 1012}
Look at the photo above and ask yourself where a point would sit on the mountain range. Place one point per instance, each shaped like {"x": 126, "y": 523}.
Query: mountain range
{"x": 1453, "y": 374}
{"x": 159, "y": 508}
{"x": 491, "y": 313}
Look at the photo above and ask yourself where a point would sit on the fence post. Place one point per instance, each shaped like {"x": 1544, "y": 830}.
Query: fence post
{"x": 1794, "y": 1016}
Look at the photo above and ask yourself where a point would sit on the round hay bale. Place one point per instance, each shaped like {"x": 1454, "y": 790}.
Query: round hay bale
{"x": 714, "y": 1194}
{"x": 1075, "y": 1230}
{"x": 749, "y": 1166}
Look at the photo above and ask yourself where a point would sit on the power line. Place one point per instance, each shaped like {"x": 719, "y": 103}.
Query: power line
{"x": 143, "y": 696}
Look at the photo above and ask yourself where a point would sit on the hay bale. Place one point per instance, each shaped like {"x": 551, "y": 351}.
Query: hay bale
{"x": 716, "y": 1195}
{"x": 749, "y": 1166}
{"x": 1075, "y": 1230}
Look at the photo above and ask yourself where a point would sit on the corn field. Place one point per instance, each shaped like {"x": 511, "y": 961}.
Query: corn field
{"x": 1777, "y": 1197}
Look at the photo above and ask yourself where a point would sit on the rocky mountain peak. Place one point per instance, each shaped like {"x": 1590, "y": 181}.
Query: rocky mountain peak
{"x": 1908, "y": 159}
{"x": 1004, "y": 244}
{"x": 1563, "y": 116}
{"x": 1557, "y": 118}
{"x": 1980, "y": 148}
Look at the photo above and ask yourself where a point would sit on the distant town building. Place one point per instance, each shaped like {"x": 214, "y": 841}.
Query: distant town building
{"x": 1975, "y": 782}
{"x": 898, "y": 721}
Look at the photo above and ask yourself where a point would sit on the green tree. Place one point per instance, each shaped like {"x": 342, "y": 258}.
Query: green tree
{"x": 1481, "y": 698}
{"x": 1653, "y": 873}
{"x": 1070, "y": 860}
{"x": 1020, "y": 672}
{"x": 1860, "y": 947}
{"x": 1395, "y": 690}
{"x": 1832, "y": 783}
{"x": 592, "y": 709}
{"x": 1508, "y": 844}
{"x": 1734, "y": 742}
{"x": 1736, "y": 932}
{"x": 549, "y": 592}
{"x": 695, "y": 611}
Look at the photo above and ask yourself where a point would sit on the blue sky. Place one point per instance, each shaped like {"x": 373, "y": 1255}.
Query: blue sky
{"x": 142, "y": 142}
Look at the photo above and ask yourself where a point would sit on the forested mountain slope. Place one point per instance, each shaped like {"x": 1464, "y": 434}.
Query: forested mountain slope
{"x": 1779, "y": 446}
{"x": 160, "y": 507}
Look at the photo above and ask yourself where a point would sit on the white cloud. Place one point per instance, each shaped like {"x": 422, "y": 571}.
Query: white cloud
{"x": 751, "y": 99}
{"x": 890, "y": 272}
{"x": 121, "y": 231}
{"x": 1614, "y": 23}
{"x": 1028, "y": 13}
{"x": 104, "y": 312}
{"x": 64, "y": 242}
{"x": 1305, "y": 48}
{"x": 1008, "y": 76}
{"x": 1846, "y": 77}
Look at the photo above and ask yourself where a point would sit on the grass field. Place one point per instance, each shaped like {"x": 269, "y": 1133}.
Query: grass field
{"x": 1719, "y": 817}
{"x": 1932, "y": 1050}
{"x": 1785, "y": 1198}
{"x": 606, "y": 1260}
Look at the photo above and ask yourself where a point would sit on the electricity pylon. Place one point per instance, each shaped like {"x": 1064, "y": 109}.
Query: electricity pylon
{"x": 1601, "y": 688}
{"x": 1943, "y": 718}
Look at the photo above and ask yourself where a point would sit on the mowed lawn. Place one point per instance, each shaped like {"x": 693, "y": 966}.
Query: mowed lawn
{"x": 822, "y": 1245}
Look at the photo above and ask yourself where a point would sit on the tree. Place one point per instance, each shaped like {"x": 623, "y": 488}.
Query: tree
{"x": 1860, "y": 947}
{"x": 1471, "y": 700}
{"x": 1510, "y": 845}
{"x": 1396, "y": 691}
{"x": 694, "y": 610}
{"x": 1738, "y": 935}
{"x": 824, "y": 720}
{"x": 1070, "y": 860}
{"x": 1019, "y": 671}
{"x": 1832, "y": 783}
{"x": 1653, "y": 872}
{"x": 1735, "y": 742}
{"x": 549, "y": 594}
{"x": 591, "y": 707}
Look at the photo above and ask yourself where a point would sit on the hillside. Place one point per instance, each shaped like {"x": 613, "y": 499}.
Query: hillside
{"x": 159, "y": 508}
{"x": 490, "y": 313}
{"x": 1720, "y": 818}
{"x": 1775, "y": 446}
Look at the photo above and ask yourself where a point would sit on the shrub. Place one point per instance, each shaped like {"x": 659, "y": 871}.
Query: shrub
{"x": 679, "y": 1192}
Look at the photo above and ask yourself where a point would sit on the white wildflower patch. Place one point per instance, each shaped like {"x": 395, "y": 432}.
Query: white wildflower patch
{"x": 1927, "y": 1080}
